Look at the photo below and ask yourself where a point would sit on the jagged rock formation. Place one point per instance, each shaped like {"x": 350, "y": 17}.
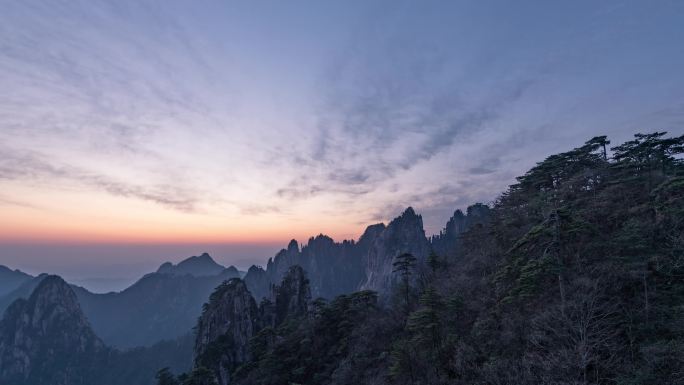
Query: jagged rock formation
{"x": 47, "y": 339}
{"x": 231, "y": 318}
{"x": 339, "y": 268}
{"x": 333, "y": 268}
{"x": 448, "y": 240}
{"x": 11, "y": 279}
{"x": 198, "y": 266}
{"x": 404, "y": 234}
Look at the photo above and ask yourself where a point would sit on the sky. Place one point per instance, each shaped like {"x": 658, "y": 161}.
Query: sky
{"x": 135, "y": 132}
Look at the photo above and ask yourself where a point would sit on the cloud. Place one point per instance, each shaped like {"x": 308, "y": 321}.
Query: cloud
{"x": 15, "y": 165}
{"x": 387, "y": 108}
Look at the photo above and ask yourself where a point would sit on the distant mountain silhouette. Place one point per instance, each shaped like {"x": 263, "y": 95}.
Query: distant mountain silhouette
{"x": 24, "y": 290}
{"x": 11, "y": 279}
{"x": 159, "y": 306}
{"x": 198, "y": 266}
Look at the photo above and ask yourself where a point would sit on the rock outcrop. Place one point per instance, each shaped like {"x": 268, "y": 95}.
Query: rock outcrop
{"x": 46, "y": 339}
{"x": 227, "y": 323}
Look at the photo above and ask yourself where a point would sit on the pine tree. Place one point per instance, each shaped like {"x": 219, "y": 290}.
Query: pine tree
{"x": 404, "y": 266}
{"x": 164, "y": 377}
{"x": 434, "y": 261}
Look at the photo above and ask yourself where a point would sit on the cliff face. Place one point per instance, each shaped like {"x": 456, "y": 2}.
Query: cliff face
{"x": 333, "y": 268}
{"x": 231, "y": 318}
{"x": 47, "y": 339}
{"x": 404, "y": 234}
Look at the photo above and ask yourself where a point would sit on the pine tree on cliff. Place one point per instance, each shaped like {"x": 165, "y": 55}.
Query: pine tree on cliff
{"x": 404, "y": 266}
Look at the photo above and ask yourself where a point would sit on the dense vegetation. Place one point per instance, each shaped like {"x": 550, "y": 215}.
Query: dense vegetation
{"x": 577, "y": 278}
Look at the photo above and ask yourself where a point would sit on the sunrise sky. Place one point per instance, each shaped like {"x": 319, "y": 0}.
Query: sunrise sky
{"x": 134, "y": 132}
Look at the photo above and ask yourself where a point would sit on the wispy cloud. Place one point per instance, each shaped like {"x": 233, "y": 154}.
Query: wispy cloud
{"x": 34, "y": 168}
{"x": 364, "y": 108}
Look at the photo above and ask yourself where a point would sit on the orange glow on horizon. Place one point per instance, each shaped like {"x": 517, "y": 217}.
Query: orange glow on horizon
{"x": 130, "y": 223}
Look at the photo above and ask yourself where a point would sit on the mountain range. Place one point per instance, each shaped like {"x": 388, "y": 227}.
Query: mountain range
{"x": 149, "y": 325}
{"x": 164, "y": 305}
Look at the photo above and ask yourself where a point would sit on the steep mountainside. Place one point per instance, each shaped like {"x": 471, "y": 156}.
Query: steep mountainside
{"x": 11, "y": 279}
{"x": 47, "y": 339}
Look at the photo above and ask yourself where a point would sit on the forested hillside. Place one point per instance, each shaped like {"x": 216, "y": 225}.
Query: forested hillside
{"x": 576, "y": 278}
